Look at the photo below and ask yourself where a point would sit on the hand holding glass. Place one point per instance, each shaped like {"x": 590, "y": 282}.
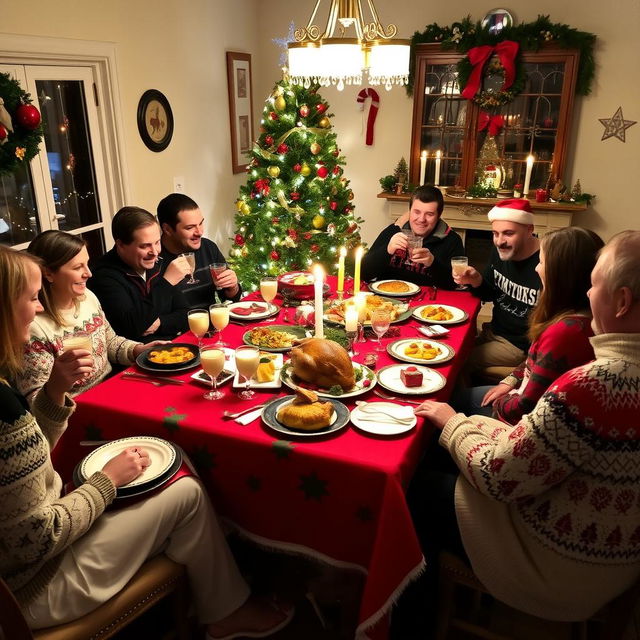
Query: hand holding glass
{"x": 212, "y": 360}
{"x": 198, "y": 323}
{"x": 191, "y": 259}
{"x": 216, "y": 269}
{"x": 459, "y": 265}
{"x": 247, "y": 361}
{"x": 380, "y": 321}
{"x": 219, "y": 319}
{"x": 413, "y": 242}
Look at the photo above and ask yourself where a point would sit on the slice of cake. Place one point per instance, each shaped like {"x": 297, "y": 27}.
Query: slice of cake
{"x": 411, "y": 377}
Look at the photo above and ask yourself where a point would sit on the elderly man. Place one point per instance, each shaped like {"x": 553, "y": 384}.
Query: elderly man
{"x": 391, "y": 257}
{"x": 510, "y": 281}
{"x": 547, "y": 511}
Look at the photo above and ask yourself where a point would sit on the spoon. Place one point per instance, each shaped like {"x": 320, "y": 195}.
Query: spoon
{"x": 227, "y": 415}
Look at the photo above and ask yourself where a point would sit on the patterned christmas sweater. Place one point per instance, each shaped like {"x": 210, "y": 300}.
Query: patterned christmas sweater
{"x": 46, "y": 339}
{"x": 555, "y": 501}
{"x": 37, "y": 525}
{"x": 562, "y": 346}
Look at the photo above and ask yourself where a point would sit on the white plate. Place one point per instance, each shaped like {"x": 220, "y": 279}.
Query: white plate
{"x": 459, "y": 315}
{"x": 161, "y": 453}
{"x": 412, "y": 290}
{"x": 402, "y": 309}
{"x": 359, "y": 389}
{"x": 381, "y": 428}
{"x": 271, "y": 310}
{"x": 396, "y": 349}
{"x": 389, "y": 378}
{"x": 276, "y": 383}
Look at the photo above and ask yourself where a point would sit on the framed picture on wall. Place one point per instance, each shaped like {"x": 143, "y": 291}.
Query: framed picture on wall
{"x": 240, "y": 108}
{"x": 155, "y": 120}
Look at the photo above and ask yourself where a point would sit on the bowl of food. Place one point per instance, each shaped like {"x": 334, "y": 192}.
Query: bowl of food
{"x": 296, "y": 284}
{"x": 167, "y": 357}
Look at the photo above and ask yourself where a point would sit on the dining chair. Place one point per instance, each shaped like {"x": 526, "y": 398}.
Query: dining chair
{"x": 156, "y": 579}
{"x": 609, "y": 623}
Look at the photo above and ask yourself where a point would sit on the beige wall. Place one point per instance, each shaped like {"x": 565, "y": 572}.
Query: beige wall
{"x": 178, "y": 48}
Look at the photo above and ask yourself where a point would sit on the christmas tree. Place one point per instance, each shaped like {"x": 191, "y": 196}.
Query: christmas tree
{"x": 296, "y": 207}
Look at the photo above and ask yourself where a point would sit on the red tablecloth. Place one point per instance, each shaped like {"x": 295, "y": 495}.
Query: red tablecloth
{"x": 338, "y": 498}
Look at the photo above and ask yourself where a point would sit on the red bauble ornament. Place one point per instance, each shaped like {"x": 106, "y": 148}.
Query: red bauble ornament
{"x": 239, "y": 240}
{"x": 292, "y": 233}
{"x": 321, "y": 107}
{"x": 307, "y": 235}
{"x": 282, "y": 148}
{"x": 336, "y": 153}
{"x": 28, "y": 116}
{"x": 268, "y": 140}
{"x": 3, "y": 133}
{"x": 275, "y": 220}
{"x": 352, "y": 227}
{"x": 323, "y": 172}
{"x": 275, "y": 256}
{"x": 304, "y": 110}
{"x": 273, "y": 115}
{"x": 294, "y": 195}
{"x": 297, "y": 168}
{"x": 336, "y": 170}
{"x": 314, "y": 248}
{"x": 333, "y": 205}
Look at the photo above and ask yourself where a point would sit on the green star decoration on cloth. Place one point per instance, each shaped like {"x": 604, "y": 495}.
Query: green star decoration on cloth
{"x": 313, "y": 487}
{"x": 93, "y": 433}
{"x": 616, "y": 126}
{"x": 172, "y": 421}
{"x": 203, "y": 460}
{"x": 282, "y": 448}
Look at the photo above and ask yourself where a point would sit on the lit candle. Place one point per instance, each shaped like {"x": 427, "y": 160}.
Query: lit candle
{"x": 356, "y": 273}
{"x": 423, "y": 166}
{"x": 343, "y": 253}
{"x": 436, "y": 181}
{"x": 351, "y": 318}
{"x": 527, "y": 177}
{"x": 318, "y": 282}
{"x": 361, "y": 305}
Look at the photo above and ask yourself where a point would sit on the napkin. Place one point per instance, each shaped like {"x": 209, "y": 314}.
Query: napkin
{"x": 249, "y": 417}
{"x": 386, "y": 412}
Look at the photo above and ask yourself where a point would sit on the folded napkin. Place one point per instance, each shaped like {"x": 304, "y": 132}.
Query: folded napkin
{"x": 249, "y": 417}
{"x": 385, "y": 412}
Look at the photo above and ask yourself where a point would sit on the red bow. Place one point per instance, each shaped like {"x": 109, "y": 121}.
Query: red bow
{"x": 495, "y": 123}
{"x": 478, "y": 56}
{"x": 262, "y": 186}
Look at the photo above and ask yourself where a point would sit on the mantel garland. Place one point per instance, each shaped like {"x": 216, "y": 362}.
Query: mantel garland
{"x": 22, "y": 144}
{"x": 530, "y": 36}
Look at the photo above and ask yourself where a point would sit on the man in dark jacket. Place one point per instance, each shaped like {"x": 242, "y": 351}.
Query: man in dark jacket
{"x": 391, "y": 257}
{"x": 140, "y": 302}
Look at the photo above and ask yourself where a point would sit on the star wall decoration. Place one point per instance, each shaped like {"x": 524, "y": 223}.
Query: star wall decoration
{"x": 616, "y": 126}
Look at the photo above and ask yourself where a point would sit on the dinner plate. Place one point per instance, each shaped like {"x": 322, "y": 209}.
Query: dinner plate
{"x": 276, "y": 383}
{"x": 389, "y": 378}
{"x": 381, "y": 428}
{"x": 165, "y": 462}
{"x": 339, "y": 419}
{"x": 366, "y": 381}
{"x": 411, "y": 290}
{"x": 459, "y": 315}
{"x": 403, "y": 309}
{"x": 270, "y": 309}
{"x": 396, "y": 349}
{"x": 144, "y": 363}
{"x": 298, "y": 332}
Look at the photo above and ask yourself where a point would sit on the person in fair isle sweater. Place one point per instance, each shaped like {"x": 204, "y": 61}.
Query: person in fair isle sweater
{"x": 547, "y": 510}
{"x": 57, "y": 549}
{"x": 559, "y": 328}
{"x": 70, "y": 309}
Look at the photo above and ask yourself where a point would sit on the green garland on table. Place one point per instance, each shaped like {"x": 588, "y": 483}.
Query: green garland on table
{"x": 465, "y": 34}
{"x": 11, "y": 154}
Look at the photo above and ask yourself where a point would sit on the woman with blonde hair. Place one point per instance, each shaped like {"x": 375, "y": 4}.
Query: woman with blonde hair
{"x": 57, "y": 549}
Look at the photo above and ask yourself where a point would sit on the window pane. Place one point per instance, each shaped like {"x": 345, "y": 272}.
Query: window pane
{"x": 68, "y": 144}
{"x": 18, "y": 220}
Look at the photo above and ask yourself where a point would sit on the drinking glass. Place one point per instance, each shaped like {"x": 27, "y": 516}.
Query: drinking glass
{"x": 198, "y": 323}
{"x": 268, "y": 289}
{"x": 79, "y": 340}
{"x": 191, "y": 259}
{"x": 247, "y": 361}
{"x": 415, "y": 242}
{"x": 220, "y": 319}
{"x": 212, "y": 360}
{"x": 380, "y": 321}
{"x": 458, "y": 266}
{"x": 216, "y": 269}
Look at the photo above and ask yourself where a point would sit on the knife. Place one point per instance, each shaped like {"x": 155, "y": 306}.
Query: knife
{"x": 135, "y": 374}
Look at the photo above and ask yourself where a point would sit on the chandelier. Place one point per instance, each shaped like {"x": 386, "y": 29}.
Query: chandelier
{"x": 333, "y": 57}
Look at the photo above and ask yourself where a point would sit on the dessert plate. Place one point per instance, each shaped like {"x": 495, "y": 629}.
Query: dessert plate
{"x": 381, "y": 426}
{"x": 397, "y": 350}
{"x": 457, "y": 315}
{"x": 251, "y": 311}
{"x": 381, "y": 287}
{"x": 432, "y": 381}
{"x": 365, "y": 381}
{"x": 339, "y": 419}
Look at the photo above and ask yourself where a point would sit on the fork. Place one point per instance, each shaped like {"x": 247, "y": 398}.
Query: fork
{"x": 386, "y": 396}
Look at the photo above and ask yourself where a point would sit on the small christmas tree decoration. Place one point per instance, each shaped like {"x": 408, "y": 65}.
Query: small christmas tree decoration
{"x": 306, "y": 170}
{"x": 273, "y": 115}
{"x": 304, "y": 110}
{"x": 324, "y": 123}
{"x": 3, "y": 134}
{"x": 315, "y": 148}
{"x": 322, "y": 172}
{"x": 268, "y": 141}
{"x": 273, "y": 171}
{"x": 239, "y": 240}
{"x": 245, "y": 209}
{"x": 321, "y": 107}
{"x": 297, "y": 167}
{"x": 576, "y": 192}
{"x": 318, "y": 221}
{"x": 282, "y": 148}
{"x": 28, "y": 116}
{"x": 275, "y": 256}
{"x": 280, "y": 103}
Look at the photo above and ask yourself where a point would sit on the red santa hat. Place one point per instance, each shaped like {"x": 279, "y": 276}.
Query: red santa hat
{"x": 514, "y": 210}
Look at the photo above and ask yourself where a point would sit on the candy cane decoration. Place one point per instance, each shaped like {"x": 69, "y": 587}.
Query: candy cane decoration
{"x": 373, "y": 110}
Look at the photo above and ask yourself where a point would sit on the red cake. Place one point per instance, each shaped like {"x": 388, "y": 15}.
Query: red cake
{"x": 411, "y": 377}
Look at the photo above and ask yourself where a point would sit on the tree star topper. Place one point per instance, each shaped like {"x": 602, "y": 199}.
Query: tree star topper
{"x": 616, "y": 126}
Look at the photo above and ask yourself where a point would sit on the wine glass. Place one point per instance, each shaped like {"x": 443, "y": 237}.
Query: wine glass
{"x": 216, "y": 269}
{"x": 458, "y": 266}
{"x": 247, "y": 361}
{"x": 380, "y": 321}
{"x": 198, "y": 323}
{"x": 212, "y": 360}
{"x": 220, "y": 319}
{"x": 191, "y": 259}
{"x": 268, "y": 289}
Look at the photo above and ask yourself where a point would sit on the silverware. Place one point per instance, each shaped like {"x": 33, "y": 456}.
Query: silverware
{"x": 386, "y": 396}
{"x": 136, "y": 375}
{"x": 227, "y": 415}
{"x": 136, "y": 379}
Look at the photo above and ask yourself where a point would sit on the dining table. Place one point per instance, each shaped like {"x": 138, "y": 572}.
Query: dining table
{"x": 338, "y": 498}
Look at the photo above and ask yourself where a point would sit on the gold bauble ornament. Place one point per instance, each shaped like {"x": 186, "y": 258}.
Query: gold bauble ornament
{"x": 324, "y": 122}
{"x": 245, "y": 209}
{"x": 239, "y": 204}
{"x": 318, "y": 221}
{"x": 306, "y": 170}
{"x": 280, "y": 103}
{"x": 245, "y": 252}
{"x": 273, "y": 171}
{"x": 350, "y": 196}
{"x": 315, "y": 148}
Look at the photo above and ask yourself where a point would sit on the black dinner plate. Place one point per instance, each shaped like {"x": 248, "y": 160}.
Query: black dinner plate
{"x": 144, "y": 363}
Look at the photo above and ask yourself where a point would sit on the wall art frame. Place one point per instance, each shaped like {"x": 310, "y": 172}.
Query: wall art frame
{"x": 240, "y": 108}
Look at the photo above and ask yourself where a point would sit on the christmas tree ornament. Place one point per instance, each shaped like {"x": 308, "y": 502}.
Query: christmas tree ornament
{"x": 282, "y": 148}
{"x": 275, "y": 256}
{"x": 307, "y": 235}
{"x": 347, "y": 209}
{"x": 297, "y": 167}
{"x": 333, "y": 205}
{"x": 273, "y": 171}
{"x": 289, "y": 242}
{"x": 304, "y": 110}
{"x": 3, "y": 134}
{"x": 294, "y": 195}
{"x": 331, "y": 229}
{"x": 275, "y": 220}
{"x": 239, "y": 204}
{"x": 336, "y": 153}
{"x": 314, "y": 248}
{"x": 28, "y": 116}
{"x": 245, "y": 252}
{"x": 306, "y": 170}
{"x": 373, "y": 110}
{"x": 268, "y": 140}
{"x": 324, "y": 123}
{"x": 239, "y": 240}
{"x": 318, "y": 221}
{"x": 20, "y": 153}
{"x": 292, "y": 233}
{"x": 322, "y": 172}
{"x": 280, "y": 103}
{"x": 315, "y": 148}
{"x": 5, "y": 118}
{"x": 321, "y": 107}
{"x": 273, "y": 115}
{"x": 350, "y": 196}
{"x": 245, "y": 209}
{"x": 352, "y": 227}
{"x": 336, "y": 170}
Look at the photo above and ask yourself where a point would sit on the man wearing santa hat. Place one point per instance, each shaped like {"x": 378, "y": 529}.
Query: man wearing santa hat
{"x": 510, "y": 281}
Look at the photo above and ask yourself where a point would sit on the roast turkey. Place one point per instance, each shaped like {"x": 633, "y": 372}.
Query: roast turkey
{"x": 323, "y": 363}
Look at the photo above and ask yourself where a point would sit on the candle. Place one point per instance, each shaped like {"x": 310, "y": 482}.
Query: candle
{"x": 423, "y": 166}
{"x": 318, "y": 282}
{"x": 356, "y": 274}
{"x": 527, "y": 177}
{"x": 351, "y": 319}
{"x": 343, "y": 253}
{"x": 436, "y": 181}
{"x": 361, "y": 305}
